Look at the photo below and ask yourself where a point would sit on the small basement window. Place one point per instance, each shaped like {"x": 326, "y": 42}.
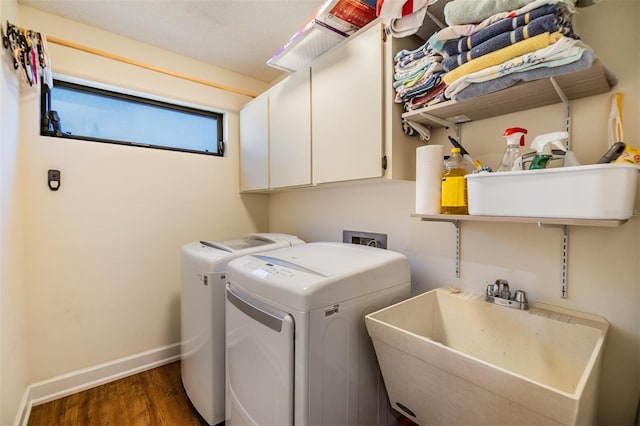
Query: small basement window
{"x": 78, "y": 111}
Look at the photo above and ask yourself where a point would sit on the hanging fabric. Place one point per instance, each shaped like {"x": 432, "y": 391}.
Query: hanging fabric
{"x": 30, "y": 54}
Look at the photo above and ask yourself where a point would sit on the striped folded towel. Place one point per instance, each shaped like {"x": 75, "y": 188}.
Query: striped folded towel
{"x": 543, "y": 24}
{"x": 499, "y": 56}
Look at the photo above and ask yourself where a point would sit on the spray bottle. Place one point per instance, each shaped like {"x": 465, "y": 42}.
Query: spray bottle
{"x": 512, "y": 158}
{"x": 543, "y": 144}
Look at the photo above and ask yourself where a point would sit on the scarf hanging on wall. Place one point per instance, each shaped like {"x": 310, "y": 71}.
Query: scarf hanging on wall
{"x": 30, "y": 55}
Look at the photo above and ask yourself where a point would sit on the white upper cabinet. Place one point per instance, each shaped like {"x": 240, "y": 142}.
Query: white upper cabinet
{"x": 275, "y": 136}
{"x": 290, "y": 131}
{"x": 333, "y": 122}
{"x": 254, "y": 145}
{"x": 347, "y": 111}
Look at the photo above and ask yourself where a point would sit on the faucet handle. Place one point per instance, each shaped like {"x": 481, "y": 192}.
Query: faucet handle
{"x": 503, "y": 289}
{"x": 492, "y": 290}
{"x": 520, "y": 296}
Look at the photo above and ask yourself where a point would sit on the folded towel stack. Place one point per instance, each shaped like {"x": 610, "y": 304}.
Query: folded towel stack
{"x": 490, "y": 46}
{"x": 417, "y": 81}
{"x": 417, "y": 72}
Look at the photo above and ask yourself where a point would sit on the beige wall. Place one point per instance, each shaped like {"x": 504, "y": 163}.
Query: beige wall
{"x": 102, "y": 253}
{"x": 13, "y": 325}
{"x": 603, "y": 262}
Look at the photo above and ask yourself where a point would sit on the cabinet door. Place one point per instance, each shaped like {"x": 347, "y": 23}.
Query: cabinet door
{"x": 254, "y": 144}
{"x": 347, "y": 110}
{"x": 290, "y": 131}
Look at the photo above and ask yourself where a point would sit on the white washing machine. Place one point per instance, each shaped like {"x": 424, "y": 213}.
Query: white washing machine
{"x": 298, "y": 352}
{"x": 202, "y": 315}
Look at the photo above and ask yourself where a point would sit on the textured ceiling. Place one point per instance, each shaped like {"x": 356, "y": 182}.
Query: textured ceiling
{"x": 239, "y": 35}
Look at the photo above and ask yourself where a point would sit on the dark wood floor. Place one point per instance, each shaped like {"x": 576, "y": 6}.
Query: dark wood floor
{"x": 154, "y": 398}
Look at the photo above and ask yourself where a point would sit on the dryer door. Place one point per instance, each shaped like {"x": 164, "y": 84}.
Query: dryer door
{"x": 259, "y": 362}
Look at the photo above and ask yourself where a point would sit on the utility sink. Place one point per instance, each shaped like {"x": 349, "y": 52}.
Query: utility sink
{"x": 449, "y": 357}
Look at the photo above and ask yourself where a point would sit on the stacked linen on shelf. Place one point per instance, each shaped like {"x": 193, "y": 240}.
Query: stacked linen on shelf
{"x": 417, "y": 73}
{"x": 417, "y": 81}
{"x": 546, "y": 18}
{"x": 562, "y": 57}
{"x": 489, "y": 47}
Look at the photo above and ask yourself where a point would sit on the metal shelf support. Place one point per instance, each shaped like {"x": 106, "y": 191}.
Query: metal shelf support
{"x": 456, "y": 224}
{"x": 564, "y": 290}
{"x": 438, "y": 120}
{"x": 435, "y": 20}
{"x": 567, "y": 105}
{"x": 564, "y": 268}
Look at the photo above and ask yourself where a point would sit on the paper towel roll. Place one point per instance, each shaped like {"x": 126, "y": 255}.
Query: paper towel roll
{"x": 429, "y": 168}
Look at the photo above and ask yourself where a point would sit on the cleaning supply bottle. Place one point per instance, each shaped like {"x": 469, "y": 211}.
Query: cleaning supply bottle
{"x": 512, "y": 158}
{"x": 468, "y": 163}
{"x": 454, "y": 185}
{"x": 543, "y": 144}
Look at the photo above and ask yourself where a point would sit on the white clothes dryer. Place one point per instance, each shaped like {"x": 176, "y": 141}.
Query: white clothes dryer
{"x": 298, "y": 352}
{"x": 204, "y": 264}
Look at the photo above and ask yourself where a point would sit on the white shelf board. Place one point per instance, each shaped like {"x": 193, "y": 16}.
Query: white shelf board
{"x": 520, "y": 97}
{"x": 516, "y": 219}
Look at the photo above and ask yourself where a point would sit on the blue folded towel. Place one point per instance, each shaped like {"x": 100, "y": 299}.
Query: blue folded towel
{"x": 547, "y": 23}
{"x": 420, "y": 89}
{"x": 464, "y": 44}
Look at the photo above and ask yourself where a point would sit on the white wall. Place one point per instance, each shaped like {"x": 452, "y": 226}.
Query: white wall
{"x": 13, "y": 325}
{"x": 103, "y": 252}
{"x": 603, "y": 262}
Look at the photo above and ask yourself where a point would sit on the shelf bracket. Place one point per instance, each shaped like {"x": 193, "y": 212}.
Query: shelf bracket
{"x": 564, "y": 291}
{"x": 456, "y": 224}
{"x": 567, "y": 105}
{"x": 559, "y": 223}
{"x": 438, "y": 120}
{"x": 559, "y": 91}
{"x": 435, "y": 20}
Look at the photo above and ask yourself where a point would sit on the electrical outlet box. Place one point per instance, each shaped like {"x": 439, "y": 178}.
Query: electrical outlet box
{"x": 365, "y": 238}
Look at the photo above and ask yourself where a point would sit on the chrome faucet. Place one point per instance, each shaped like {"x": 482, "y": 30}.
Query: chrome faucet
{"x": 500, "y": 294}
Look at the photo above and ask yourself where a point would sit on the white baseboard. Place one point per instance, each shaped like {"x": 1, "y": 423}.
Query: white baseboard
{"x": 86, "y": 378}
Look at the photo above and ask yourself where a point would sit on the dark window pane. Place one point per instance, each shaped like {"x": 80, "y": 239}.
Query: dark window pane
{"x": 99, "y": 115}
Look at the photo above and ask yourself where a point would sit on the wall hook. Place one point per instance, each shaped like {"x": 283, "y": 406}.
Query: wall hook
{"x": 53, "y": 179}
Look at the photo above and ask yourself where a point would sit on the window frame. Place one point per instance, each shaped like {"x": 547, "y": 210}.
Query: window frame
{"x": 122, "y": 94}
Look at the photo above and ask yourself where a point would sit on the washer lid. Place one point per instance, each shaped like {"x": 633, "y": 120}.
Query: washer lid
{"x": 315, "y": 275}
{"x": 218, "y": 254}
{"x": 238, "y": 244}
{"x": 251, "y": 243}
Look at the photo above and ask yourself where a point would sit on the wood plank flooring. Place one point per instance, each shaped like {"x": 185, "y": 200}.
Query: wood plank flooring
{"x": 152, "y": 398}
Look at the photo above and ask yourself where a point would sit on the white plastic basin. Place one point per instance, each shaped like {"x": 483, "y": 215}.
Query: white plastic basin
{"x": 452, "y": 358}
{"x": 595, "y": 191}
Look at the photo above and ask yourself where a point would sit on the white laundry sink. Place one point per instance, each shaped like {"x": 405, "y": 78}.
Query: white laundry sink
{"x": 450, "y": 358}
